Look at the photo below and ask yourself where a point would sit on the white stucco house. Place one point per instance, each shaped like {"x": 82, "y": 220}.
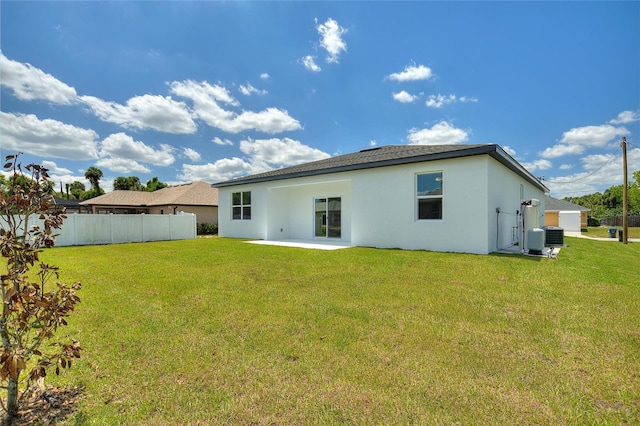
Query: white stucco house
{"x": 458, "y": 198}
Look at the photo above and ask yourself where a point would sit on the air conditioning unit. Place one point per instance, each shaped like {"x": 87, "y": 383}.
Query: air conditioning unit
{"x": 554, "y": 236}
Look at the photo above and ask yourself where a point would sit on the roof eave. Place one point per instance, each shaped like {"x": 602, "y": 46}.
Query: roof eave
{"x": 484, "y": 149}
{"x": 493, "y": 150}
{"x": 507, "y": 160}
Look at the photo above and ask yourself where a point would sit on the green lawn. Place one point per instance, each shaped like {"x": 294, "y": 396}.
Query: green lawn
{"x": 217, "y": 331}
{"x": 603, "y": 231}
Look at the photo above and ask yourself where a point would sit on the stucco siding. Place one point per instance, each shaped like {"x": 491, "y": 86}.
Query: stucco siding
{"x": 506, "y": 192}
{"x": 203, "y": 214}
{"x": 379, "y": 206}
{"x": 385, "y": 207}
{"x": 290, "y": 206}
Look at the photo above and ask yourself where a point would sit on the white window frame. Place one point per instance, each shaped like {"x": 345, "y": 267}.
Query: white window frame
{"x": 242, "y": 206}
{"x": 439, "y": 196}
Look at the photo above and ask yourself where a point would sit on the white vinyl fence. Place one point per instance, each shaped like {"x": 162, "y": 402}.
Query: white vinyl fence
{"x": 88, "y": 229}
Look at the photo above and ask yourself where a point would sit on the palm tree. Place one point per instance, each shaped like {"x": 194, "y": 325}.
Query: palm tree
{"x": 93, "y": 175}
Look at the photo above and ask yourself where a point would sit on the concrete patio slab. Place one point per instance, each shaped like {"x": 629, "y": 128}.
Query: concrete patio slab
{"x": 307, "y": 244}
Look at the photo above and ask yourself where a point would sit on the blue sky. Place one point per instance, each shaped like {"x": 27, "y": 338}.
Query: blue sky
{"x": 215, "y": 90}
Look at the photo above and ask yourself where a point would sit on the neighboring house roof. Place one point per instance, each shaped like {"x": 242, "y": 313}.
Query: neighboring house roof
{"x": 553, "y": 204}
{"x": 66, "y": 202}
{"x": 389, "y": 155}
{"x": 189, "y": 194}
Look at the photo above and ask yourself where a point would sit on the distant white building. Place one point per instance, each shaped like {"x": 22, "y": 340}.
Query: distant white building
{"x": 569, "y": 216}
{"x": 458, "y": 198}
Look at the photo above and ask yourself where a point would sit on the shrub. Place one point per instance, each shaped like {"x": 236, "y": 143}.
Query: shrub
{"x": 207, "y": 229}
{"x": 33, "y": 307}
{"x": 592, "y": 221}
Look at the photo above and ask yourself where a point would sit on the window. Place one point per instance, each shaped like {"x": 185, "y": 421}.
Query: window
{"x": 241, "y": 205}
{"x": 429, "y": 195}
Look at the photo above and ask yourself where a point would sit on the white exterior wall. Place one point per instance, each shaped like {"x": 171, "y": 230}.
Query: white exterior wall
{"x": 505, "y": 193}
{"x": 569, "y": 221}
{"x": 291, "y": 207}
{"x": 284, "y": 209}
{"x": 385, "y": 207}
{"x": 254, "y": 228}
{"x": 379, "y": 206}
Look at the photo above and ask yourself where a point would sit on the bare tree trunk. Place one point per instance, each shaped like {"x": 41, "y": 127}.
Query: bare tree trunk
{"x": 12, "y": 385}
{"x": 12, "y": 398}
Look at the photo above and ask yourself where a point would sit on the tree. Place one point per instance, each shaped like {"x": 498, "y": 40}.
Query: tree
{"x": 32, "y": 308}
{"x": 93, "y": 175}
{"x": 4, "y": 184}
{"x": 77, "y": 189}
{"x": 48, "y": 187}
{"x": 154, "y": 184}
{"x": 131, "y": 183}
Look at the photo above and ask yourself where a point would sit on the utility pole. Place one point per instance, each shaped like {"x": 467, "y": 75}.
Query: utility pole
{"x": 625, "y": 225}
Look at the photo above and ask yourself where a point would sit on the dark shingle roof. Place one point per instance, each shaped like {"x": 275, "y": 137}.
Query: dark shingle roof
{"x": 553, "y": 204}
{"x": 66, "y": 202}
{"x": 389, "y": 155}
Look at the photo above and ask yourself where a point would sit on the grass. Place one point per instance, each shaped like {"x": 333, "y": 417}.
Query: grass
{"x": 603, "y": 231}
{"x": 217, "y": 331}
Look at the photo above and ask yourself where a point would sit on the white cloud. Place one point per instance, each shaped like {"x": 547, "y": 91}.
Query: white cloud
{"x": 373, "y": 143}
{"x": 561, "y": 150}
{"x": 412, "y": 73}
{"x": 248, "y": 90}
{"x": 202, "y": 92}
{"x": 30, "y": 83}
{"x": 47, "y": 138}
{"x": 331, "y": 39}
{"x": 310, "y": 63}
{"x": 191, "y": 154}
{"x": 510, "y": 151}
{"x": 539, "y": 164}
{"x": 599, "y": 172}
{"x": 437, "y": 101}
{"x": 205, "y": 99}
{"x": 593, "y": 136}
{"x": 577, "y": 140}
{"x": 122, "y": 165}
{"x": 441, "y": 133}
{"x": 144, "y": 112}
{"x": 268, "y": 154}
{"x": 262, "y": 155}
{"x": 122, "y": 146}
{"x": 404, "y": 97}
{"x": 264, "y": 76}
{"x": 626, "y": 117}
{"x": 224, "y": 169}
{"x": 53, "y": 168}
{"x": 271, "y": 120}
{"x": 566, "y": 166}
{"x": 223, "y": 142}
{"x": 468, "y": 99}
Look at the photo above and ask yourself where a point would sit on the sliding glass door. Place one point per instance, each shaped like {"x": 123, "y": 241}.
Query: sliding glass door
{"x": 327, "y": 223}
